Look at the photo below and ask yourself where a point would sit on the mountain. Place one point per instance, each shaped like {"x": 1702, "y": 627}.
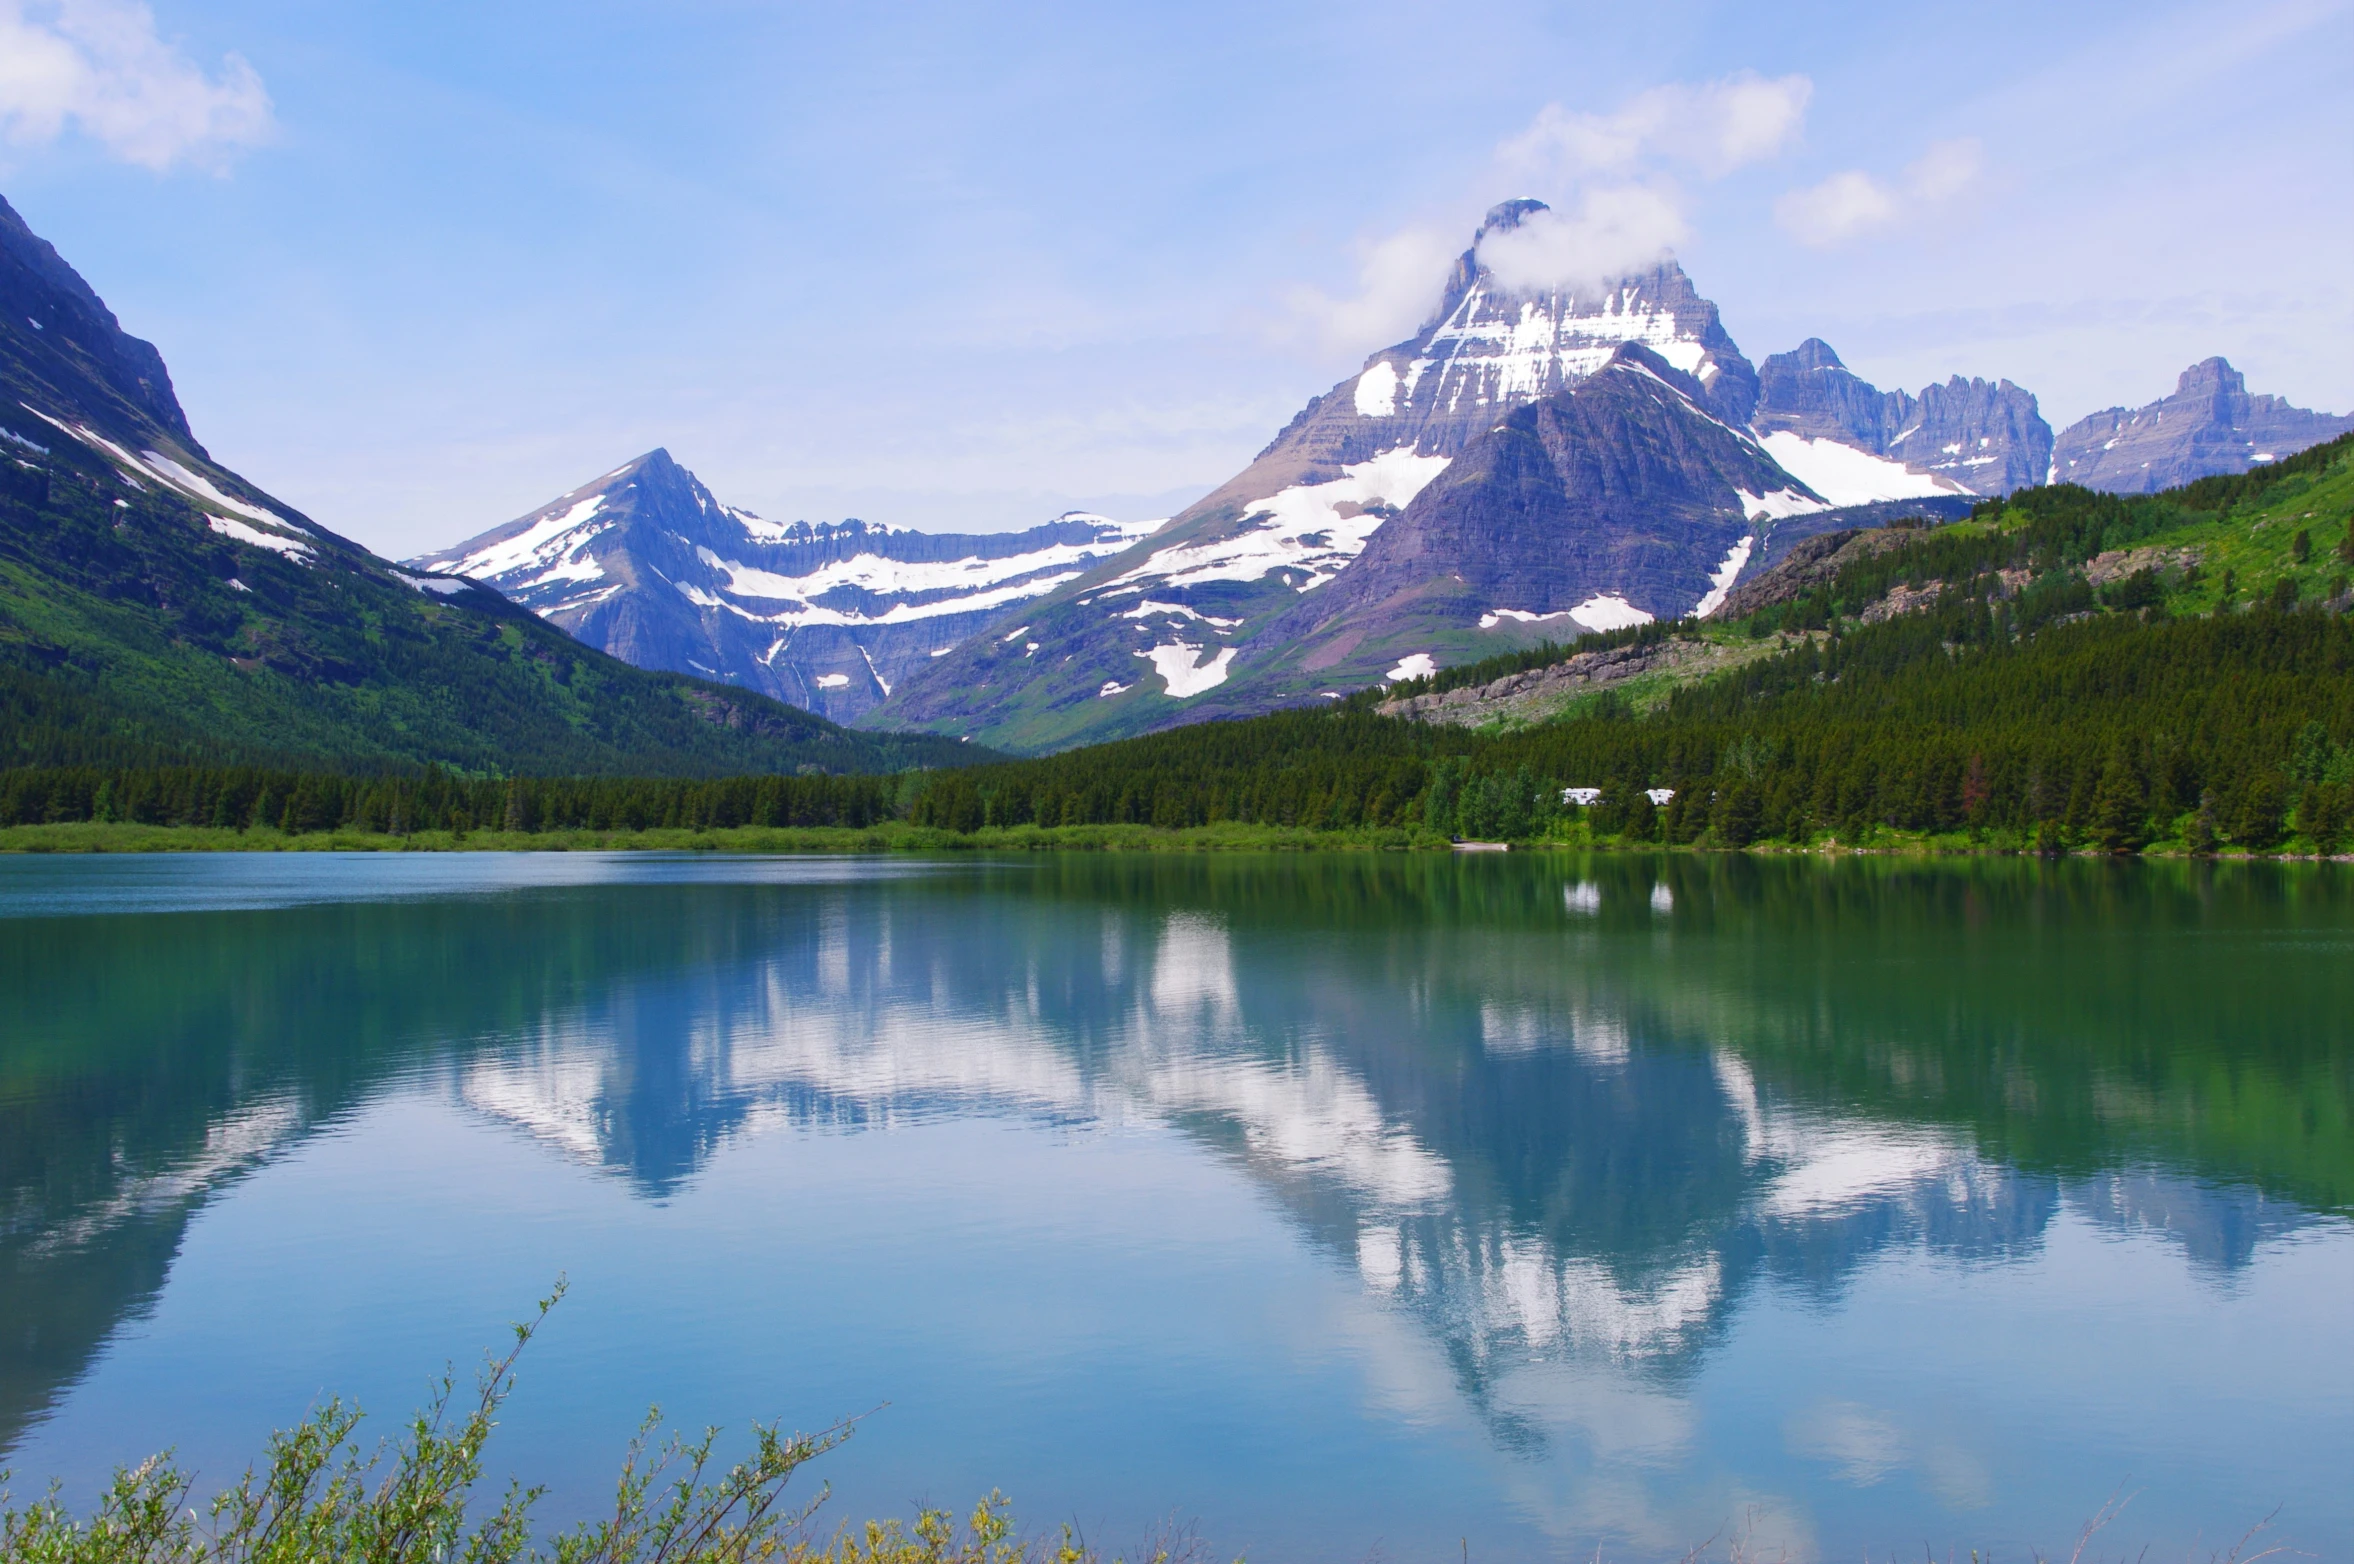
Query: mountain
{"x": 154, "y": 605}
{"x": 1202, "y": 617}
{"x": 2209, "y": 425}
{"x": 1618, "y": 501}
{"x": 645, "y": 564}
{"x": 1855, "y": 443}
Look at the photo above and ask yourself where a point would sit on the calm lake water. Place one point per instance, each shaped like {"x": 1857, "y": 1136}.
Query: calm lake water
{"x": 1520, "y": 1205}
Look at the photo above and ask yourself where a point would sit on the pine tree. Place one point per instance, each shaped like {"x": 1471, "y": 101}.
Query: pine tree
{"x": 2117, "y": 809}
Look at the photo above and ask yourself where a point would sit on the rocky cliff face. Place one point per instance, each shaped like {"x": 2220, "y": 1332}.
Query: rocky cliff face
{"x": 2209, "y": 425}
{"x": 1857, "y": 443}
{"x": 74, "y": 353}
{"x": 646, "y": 564}
{"x": 1620, "y": 500}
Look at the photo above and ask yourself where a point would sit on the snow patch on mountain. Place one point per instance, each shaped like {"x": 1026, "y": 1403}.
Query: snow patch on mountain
{"x": 174, "y": 475}
{"x": 1497, "y": 349}
{"x": 1609, "y": 611}
{"x": 1495, "y": 616}
{"x": 278, "y": 543}
{"x": 1311, "y": 529}
{"x": 1845, "y": 475}
{"x": 1721, "y": 579}
{"x": 1778, "y": 504}
{"x": 540, "y": 553}
{"x": 1421, "y": 665}
{"x": 187, "y": 482}
{"x": 1179, "y": 672}
{"x": 976, "y": 583}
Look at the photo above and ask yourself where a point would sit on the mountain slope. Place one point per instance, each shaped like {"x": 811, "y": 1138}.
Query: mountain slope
{"x": 153, "y": 604}
{"x": 1126, "y": 647}
{"x": 645, "y": 564}
{"x": 1618, "y": 501}
{"x": 2209, "y": 425}
{"x": 1856, "y": 443}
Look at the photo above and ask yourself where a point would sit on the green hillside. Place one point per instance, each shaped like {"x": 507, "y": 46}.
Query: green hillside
{"x": 156, "y": 608}
{"x": 2200, "y": 693}
{"x": 131, "y": 630}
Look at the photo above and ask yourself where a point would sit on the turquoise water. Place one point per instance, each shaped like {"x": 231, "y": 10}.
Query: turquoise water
{"x": 1525, "y": 1206}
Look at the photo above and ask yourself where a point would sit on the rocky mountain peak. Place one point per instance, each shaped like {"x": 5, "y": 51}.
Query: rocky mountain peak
{"x": 1505, "y": 216}
{"x": 646, "y": 563}
{"x": 1812, "y": 354}
{"x": 1964, "y": 437}
{"x": 2211, "y": 424}
{"x": 2211, "y": 377}
{"x": 74, "y": 359}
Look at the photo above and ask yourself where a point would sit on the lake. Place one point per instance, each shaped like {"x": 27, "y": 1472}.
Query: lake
{"x": 1511, "y": 1206}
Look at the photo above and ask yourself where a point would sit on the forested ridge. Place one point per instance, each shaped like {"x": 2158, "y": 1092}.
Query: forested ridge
{"x": 2203, "y": 700}
{"x": 135, "y": 632}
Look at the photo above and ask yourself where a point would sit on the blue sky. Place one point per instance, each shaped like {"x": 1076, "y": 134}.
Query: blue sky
{"x": 418, "y": 268}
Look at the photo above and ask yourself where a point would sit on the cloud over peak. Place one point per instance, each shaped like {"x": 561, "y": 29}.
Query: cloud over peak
{"x": 99, "y": 66}
{"x": 1610, "y": 183}
{"x": 1612, "y": 178}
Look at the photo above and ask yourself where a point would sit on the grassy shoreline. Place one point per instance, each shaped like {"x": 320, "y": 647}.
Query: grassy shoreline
{"x": 898, "y": 837}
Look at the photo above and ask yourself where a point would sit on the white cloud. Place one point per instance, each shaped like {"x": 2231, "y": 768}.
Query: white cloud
{"x": 1852, "y": 203}
{"x": 1612, "y": 231}
{"x": 1610, "y": 178}
{"x": 99, "y": 66}
{"x": 1711, "y": 128}
{"x": 1398, "y": 283}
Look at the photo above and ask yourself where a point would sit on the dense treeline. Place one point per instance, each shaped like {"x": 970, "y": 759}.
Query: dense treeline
{"x": 2112, "y": 731}
{"x": 2014, "y": 703}
{"x": 296, "y": 801}
{"x": 1321, "y": 769}
{"x": 2104, "y": 732}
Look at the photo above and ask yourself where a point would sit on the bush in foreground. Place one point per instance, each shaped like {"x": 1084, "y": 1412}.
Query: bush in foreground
{"x": 320, "y": 1497}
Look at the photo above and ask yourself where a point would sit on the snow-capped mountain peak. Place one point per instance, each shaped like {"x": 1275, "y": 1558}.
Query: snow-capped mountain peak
{"x": 646, "y": 563}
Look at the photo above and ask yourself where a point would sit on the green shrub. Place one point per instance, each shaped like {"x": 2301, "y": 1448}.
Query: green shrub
{"x": 320, "y": 1497}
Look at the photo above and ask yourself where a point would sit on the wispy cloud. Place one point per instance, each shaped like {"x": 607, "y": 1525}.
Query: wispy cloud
{"x": 1852, "y": 204}
{"x": 1399, "y": 278}
{"x": 1609, "y": 232}
{"x": 1610, "y": 182}
{"x": 1710, "y": 128}
{"x": 99, "y": 67}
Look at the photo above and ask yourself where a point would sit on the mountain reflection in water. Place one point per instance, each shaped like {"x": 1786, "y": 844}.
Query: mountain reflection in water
{"x": 1562, "y": 1114}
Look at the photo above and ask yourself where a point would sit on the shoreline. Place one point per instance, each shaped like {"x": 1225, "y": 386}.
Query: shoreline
{"x": 92, "y": 838}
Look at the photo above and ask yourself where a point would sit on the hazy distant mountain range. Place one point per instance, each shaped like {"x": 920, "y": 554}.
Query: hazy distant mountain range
{"x": 2209, "y": 425}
